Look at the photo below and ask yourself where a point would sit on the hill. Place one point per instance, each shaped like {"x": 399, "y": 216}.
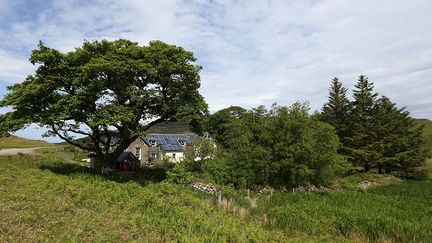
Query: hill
{"x": 19, "y": 142}
{"x": 170, "y": 127}
{"x": 427, "y": 132}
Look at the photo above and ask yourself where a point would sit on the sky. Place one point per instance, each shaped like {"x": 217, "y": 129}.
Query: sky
{"x": 252, "y": 52}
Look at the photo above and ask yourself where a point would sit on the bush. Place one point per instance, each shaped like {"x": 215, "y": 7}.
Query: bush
{"x": 219, "y": 171}
{"x": 164, "y": 164}
{"x": 179, "y": 175}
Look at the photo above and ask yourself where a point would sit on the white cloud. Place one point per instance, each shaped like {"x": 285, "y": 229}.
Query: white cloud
{"x": 254, "y": 52}
{"x": 14, "y": 68}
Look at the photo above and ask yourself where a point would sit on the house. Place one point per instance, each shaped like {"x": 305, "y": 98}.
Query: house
{"x": 152, "y": 147}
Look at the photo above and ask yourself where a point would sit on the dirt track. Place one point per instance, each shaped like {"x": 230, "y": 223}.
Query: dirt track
{"x": 18, "y": 150}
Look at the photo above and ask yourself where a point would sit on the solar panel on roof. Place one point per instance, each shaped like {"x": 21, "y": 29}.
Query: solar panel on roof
{"x": 169, "y": 147}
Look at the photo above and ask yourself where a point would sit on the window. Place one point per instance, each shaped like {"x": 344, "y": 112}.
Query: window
{"x": 173, "y": 155}
{"x": 153, "y": 155}
{"x": 138, "y": 152}
{"x": 152, "y": 142}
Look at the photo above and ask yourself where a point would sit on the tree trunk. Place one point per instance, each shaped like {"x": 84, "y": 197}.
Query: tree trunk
{"x": 97, "y": 162}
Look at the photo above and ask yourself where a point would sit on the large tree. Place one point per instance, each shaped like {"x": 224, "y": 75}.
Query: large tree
{"x": 336, "y": 110}
{"x": 361, "y": 137}
{"x": 398, "y": 140}
{"x": 109, "y": 91}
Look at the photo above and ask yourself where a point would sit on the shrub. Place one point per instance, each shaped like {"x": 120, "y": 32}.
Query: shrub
{"x": 219, "y": 171}
{"x": 179, "y": 175}
{"x": 164, "y": 164}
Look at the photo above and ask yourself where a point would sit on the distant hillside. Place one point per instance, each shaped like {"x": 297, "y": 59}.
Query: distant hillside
{"x": 170, "y": 127}
{"x": 19, "y": 142}
{"x": 427, "y": 132}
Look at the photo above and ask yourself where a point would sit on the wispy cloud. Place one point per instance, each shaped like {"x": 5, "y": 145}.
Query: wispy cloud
{"x": 252, "y": 52}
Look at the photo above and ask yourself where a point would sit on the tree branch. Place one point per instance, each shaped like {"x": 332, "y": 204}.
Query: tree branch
{"x": 69, "y": 141}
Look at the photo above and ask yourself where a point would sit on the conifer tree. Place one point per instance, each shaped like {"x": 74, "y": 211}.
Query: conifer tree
{"x": 399, "y": 140}
{"x": 336, "y": 110}
{"x": 361, "y": 138}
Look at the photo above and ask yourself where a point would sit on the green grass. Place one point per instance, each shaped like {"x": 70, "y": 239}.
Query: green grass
{"x": 398, "y": 212}
{"x": 42, "y": 199}
{"x": 39, "y": 203}
{"x": 18, "y": 142}
{"x": 351, "y": 182}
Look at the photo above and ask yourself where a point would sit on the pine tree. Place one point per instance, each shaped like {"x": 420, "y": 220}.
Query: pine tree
{"x": 361, "y": 138}
{"x": 399, "y": 140}
{"x": 336, "y": 110}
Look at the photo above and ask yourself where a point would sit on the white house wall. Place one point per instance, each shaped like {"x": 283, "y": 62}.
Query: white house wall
{"x": 174, "y": 157}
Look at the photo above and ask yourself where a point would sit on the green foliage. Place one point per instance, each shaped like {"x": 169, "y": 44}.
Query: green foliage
{"x": 376, "y": 135}
{"x": 361, "y": 125}
{"x": 219, "y": 170}
{"x": 427, "y": 132}
{"x": 198, "y": 154}
{"x": 336, "y": 110}
{"x": 283, "y": 146}
{"x": 104, "y": 85}
{"x": 398, "y": 141}
{"x": 179, "y": 175}
{"x": 164, "y": 164}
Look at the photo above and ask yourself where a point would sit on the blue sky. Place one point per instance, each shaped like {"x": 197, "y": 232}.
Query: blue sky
{"x": 252, "y": 52}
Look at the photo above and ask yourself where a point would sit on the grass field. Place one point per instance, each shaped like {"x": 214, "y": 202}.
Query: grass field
{"x": 18, "y": 142}
{"x": 41, "y": 199}
{"x": 399, "y": 212}
{"x": 37, "y": 204}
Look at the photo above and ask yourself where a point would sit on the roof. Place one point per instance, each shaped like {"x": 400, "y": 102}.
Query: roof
{"x": 125, "y": 155}
{"x": 170, "y": 142}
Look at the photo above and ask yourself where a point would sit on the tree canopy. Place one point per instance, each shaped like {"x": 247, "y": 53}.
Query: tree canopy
{"x": 108, "y": 91}
{"x": 336, "y": 110}
{"x": 282, "y": 146}
{"x": 376, "y": 134}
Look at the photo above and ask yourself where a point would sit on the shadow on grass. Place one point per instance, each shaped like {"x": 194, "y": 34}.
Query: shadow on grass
{"x": 142, "y": 176}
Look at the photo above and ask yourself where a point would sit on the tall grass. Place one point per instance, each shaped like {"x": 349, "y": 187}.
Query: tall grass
{"x": 401, "y": 212}
{"x": 43, "y": 199}
{"x": 44, "y": 204}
